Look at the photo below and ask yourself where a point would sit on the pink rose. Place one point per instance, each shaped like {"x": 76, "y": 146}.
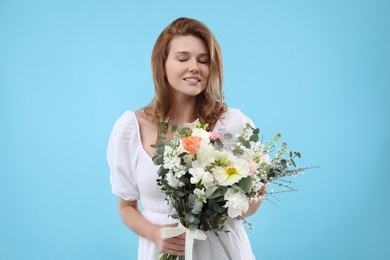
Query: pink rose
{"x": 214, "y": 136}
{"x": 252, "y": 166}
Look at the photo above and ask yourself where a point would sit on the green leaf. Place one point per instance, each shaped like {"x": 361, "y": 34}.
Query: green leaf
{"x": 192, "y": 198}
{"x": 196, "y": 221}
{"x": 216, "y": 194}
{"x": 241, "y": 139}
{"x": 193, "y": 226}
{"x": 245, "y": 184}
{"x": 283, "y": 162}
{"x": 189, "y": 217}
{"x": 210, "y": 190}
{"x": 161, "y": 136}
{"x": 227, "y": 136}
{"x": 158, "y": 160}
{"x": 182, "y": 154}
{"x": 197, "y": 207}
{"x": 174, "y": 128}
{"x": 219, "y": 143}
{"x": 160, "y": 151}
{"x": 236, "y": 187}
{"x": 238, "y": 151}
{"x": 162, "y": 171}
{"x": 297, "y": 154}
{"x": 256, "y": 131}
{"x": 254, "y": 138}
{"x": 179, "y": 193}
{"x": 293, "y": 163}
{"x": 218, "y": 208}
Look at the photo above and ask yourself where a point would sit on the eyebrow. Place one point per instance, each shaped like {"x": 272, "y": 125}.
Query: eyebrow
{"x": 185, "y": 52}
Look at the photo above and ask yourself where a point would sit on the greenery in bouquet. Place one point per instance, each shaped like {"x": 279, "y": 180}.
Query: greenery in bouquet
{"x": 205, "y": 183}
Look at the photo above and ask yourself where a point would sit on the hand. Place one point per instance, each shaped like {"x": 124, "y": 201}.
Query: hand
{"x": 262, "y": 191}
{"x": 172, "y": 245}
{"x": 255, "y": 203}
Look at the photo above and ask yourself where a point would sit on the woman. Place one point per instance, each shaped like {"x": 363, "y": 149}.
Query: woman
{"x": 187, "y": 73}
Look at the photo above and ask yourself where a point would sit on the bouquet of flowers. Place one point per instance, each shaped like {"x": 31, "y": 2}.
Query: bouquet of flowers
{"x": 205, "y": 183}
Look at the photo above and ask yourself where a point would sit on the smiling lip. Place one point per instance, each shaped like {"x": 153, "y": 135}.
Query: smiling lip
{"x": 192, "y": 79}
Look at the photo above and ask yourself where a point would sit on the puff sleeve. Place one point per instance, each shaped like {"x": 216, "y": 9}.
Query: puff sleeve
{"x": 246, "y": 120}
{"x": 120, "y": 155}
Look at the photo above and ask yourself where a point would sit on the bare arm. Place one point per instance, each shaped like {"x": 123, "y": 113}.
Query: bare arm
{"x": 133, "y": 219}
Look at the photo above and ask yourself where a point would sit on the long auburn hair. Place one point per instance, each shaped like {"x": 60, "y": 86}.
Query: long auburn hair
{"x": 210, "y": 102}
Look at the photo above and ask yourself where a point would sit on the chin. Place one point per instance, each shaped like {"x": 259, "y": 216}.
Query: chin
{"x": 193, "y": 92}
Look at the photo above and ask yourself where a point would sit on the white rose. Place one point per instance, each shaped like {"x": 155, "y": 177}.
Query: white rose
{"x": 236, "y": 202}
{"x": 197, "y": 174}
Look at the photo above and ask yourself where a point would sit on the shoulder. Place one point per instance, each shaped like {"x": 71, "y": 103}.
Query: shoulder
{"x": 145, "y": 120}
{"x": 126, "y": 130}
{"x": 125, "y": 123}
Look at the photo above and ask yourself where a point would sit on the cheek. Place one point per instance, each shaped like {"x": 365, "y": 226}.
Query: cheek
{"x": 206, "y": 71}
{"x": 169, "y": 71}
{"x": 173, "y": 70}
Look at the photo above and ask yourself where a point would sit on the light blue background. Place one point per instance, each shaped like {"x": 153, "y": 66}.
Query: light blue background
{"x": 316, "y": 71}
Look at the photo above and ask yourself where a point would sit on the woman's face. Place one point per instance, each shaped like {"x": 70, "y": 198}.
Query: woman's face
{"x": 187, "y": 66}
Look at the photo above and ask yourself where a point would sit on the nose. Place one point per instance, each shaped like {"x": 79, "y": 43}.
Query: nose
{"x": 193, "y": 66}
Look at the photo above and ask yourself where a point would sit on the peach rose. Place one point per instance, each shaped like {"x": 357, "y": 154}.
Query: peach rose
{"x": 191, "y": 143}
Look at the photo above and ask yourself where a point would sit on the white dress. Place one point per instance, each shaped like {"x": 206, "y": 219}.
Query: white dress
{"x": 133, "y": 177}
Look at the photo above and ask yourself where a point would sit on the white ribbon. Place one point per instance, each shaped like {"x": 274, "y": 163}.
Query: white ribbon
{"x": 191, "y": 235}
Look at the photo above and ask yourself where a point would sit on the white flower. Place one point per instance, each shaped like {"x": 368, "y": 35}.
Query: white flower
{"x": 248, "y": 153}
{"x": 236, "y": 203}
{"x": 264, "y": 158}
{"x": 206, "y": 155}
{"x": 223, "y": 157}
{"x": 205, "y": 135}
{"x": 248, "y": 133}
{"x": 171, "y": 162}
{"x": 180, "y": 173}
{"x": 168, "y": 150}
{"x": 172, "y": 180}
{"x": 235, "y": 171}
{"x": 197, "y": 174}
{"x": 207, "y": 180}
{"x": 201, "y": 194}
{"x": 256, "y": 184}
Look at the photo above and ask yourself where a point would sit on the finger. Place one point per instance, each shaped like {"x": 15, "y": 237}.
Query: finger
{"x": 169, "y": 248}
{"x": 174, "y": 252}
{"x": 262, "y": 191}
{"x": 182, "y": 236}
{"x": 175, "y": 241}
{"x": 176, "y": 248}
{"x": 170, "y": 225}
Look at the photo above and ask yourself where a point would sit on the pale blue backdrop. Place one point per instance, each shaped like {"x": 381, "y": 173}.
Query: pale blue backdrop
{"x": 316, "y": 71}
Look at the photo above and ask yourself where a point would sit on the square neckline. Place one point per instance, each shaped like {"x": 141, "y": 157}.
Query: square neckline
{"x": 141, "y": 145}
